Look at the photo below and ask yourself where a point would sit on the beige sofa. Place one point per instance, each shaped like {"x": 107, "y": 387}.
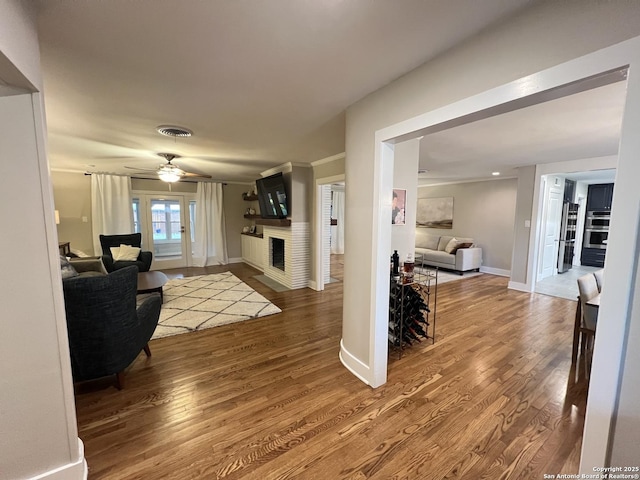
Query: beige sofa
{"x": 432, "y": 249}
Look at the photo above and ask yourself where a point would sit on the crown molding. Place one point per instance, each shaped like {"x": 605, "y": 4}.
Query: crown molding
{"x": 330, "y": 159}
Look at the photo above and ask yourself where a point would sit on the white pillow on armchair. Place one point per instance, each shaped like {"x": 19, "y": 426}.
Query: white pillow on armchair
{"x": 125, "y": 253}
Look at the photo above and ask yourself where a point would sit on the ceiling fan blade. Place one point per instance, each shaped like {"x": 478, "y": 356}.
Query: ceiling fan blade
{"x": 142, "y": 169}
{"x": 200, "y": 175}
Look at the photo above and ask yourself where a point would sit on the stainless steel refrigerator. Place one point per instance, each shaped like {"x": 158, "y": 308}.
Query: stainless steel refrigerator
{"x": 567, "y": 236}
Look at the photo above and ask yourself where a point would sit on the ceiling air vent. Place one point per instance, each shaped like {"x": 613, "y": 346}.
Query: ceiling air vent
{"x": 173, "y": 131}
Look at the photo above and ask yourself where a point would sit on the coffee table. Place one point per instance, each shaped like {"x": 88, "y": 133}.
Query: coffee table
{"x": 151, "y": 282}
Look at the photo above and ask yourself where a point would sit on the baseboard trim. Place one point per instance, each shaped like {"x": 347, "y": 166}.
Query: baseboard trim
{"x": 257, "y": 267}
{"x": 521, "y": 287}
{"x": 71, "y": 471}
{"x": 496, "y": 271}
{"x": 312, "y": 284}
{"x": 354, "y": 365}
{"x": 236, "y": 260}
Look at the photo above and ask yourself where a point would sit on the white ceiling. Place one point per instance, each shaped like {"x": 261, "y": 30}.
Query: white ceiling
{"x": 579, "y": 126}
{"x": 259, "y": 82}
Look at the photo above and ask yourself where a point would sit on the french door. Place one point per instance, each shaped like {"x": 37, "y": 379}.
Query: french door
{"x": 167, "y": 226}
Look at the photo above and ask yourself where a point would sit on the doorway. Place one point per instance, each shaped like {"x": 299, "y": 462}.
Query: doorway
{"x": 563, "y": 284}
{"x": 552, "y": 210}
{"x": 329, "y": 238}
{"x": 167, "y": 224}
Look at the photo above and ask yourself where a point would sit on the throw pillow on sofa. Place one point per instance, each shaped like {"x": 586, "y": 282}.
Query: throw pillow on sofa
{"x": 66, "y": 268}
{"x": 452, "y": 245}
{"x": 462, "y": 245}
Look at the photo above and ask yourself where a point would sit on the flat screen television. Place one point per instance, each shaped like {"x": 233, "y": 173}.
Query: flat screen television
{"x": 272, "y": 196}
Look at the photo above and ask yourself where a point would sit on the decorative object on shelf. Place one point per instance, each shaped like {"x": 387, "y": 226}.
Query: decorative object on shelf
{"x": 249, "y": 196}
{"x": 245, "y": 229}
{"x": 398, "y": 206}
{"x": 252, "y": 211}
{"x": 252, "y": 229}
{"x": 435, "y": 212}
{"x": 407, "y": 269}
{"x": 395, "y": 266}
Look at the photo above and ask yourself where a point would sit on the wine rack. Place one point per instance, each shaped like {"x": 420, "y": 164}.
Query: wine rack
{"x": 413, "y": 308}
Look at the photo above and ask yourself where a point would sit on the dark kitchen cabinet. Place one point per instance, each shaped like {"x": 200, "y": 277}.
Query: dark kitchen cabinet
{"x": 599, "y": 196}
{"x": 593, "y": 257}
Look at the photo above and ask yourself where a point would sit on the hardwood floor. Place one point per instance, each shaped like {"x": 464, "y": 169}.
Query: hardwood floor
{"x": 495, "y": 397}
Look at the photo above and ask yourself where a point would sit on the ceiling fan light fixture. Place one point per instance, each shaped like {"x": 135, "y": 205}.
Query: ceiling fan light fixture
{"x": 170, "y": 173}
{"x": 173, "y": 131}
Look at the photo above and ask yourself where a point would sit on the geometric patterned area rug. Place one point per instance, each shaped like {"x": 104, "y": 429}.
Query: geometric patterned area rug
{"x": 206, "y": 301}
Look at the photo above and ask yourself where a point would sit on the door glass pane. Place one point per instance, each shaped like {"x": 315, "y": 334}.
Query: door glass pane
{"x": 192, "y": 219}
{"x": 166, "y": 224}
{"x": 136, "y": 215}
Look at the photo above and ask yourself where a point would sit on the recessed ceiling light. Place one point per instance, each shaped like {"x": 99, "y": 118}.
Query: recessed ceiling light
{"x": 174, "y": 131}
{"x": 495, "y": 174}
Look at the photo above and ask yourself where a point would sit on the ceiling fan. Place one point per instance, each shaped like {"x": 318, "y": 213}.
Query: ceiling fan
{"x": 169, "y": 172}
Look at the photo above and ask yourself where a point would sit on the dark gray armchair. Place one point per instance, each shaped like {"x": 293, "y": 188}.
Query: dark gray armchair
{"x": 107, "y": 331}
{"x": 133, "y": 239}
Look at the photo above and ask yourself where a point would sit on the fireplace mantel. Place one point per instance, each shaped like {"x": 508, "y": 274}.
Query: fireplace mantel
{"x": 273, "y": 222}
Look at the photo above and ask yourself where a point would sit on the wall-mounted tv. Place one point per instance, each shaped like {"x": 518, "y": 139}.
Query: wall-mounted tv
{"x": 272, "y": 196}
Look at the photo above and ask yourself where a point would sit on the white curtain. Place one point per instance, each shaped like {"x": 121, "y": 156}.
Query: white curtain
{"x": 111, "y": 209}
{"x": 210, "y": 246}
{"x": 337, "y": 239}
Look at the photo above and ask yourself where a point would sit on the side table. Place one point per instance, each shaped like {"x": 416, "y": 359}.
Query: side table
{"x": 149, "y": 282}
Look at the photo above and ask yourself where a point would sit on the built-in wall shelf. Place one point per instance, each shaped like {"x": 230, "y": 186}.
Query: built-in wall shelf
{"x": 249, "y": 198}
{"x": 257, "y": 235}
{"x": 252, "y": 216}
{"x": 274, "y": 222}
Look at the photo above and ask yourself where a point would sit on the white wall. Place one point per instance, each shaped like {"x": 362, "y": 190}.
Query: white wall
{"x": 522, "y": 227}
{"x": 19, "y": 44}
{"x": 625, "y": 448}
{"x": 405, "y": 177}
{"x": 38, "y": 433}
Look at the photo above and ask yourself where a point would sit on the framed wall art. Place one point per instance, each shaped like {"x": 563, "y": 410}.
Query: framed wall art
{"x": 435, "y": 212}
{"x": 398, "y": 205}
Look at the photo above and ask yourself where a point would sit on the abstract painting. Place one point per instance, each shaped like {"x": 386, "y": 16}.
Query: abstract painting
{"x": 435, "y": 212}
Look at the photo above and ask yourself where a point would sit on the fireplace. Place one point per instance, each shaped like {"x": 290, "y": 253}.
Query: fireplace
{"x": 286, "y": 254}
{"x": 277, "y": 253}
